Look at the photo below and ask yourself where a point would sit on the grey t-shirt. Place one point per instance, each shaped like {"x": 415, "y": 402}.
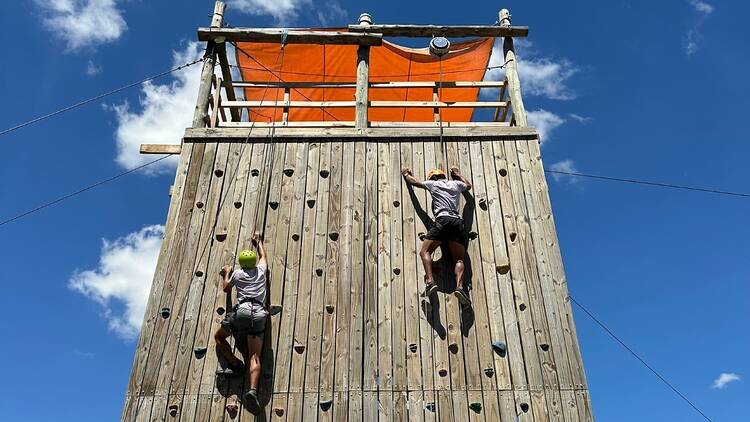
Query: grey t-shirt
{"x": 251, "y": 283}
{"x": 445, "y": 196}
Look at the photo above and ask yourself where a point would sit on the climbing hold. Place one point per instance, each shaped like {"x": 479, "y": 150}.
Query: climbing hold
{"x": 396, "y": 204}
{"x": 237, "y": 204}
{"x": 500, "y": 348}
{"x": 334, "y": 236}
{"x": 220, "y": 310}
{"x": 473, "y": 235}
{"x": 165, "y": 312}
{"x": 544, "y": 346}
{"x": 503, "y": 172}
{"x": 219, "y": 172}
{"x": 199, "y": 205}
{"x": 442, "y": 372}
{"x": 254, "y": 172}
{"x": 221, "y": 237}
{"x": 200, "y": 352}
{"x": 289, "y": 171}
{"x": 325, "y": 404}
{"x": 299, "y": 348}
{"x": 413, "y": 347}
{"x": 397, "y": 271}
{"x": 453, "y": 348}
{"x": 199, "y": 273}
{"x": 483, "y": 204}
{"x": 324, "y": 173}
{"x": 489, "y": 372}
{"x": 173, "y": 410}
{"x": 513, "y": 236}
{"x": 476, "y": 407}
{"x": 273, "y": 204}
{"x": 274, "y": 310}
{"x": 278, "y": 411}
{"x": 310, "y": 203}
{"x": 524, "y": 407}
{"x": 319, "y": 272}
{"x": 421, "y": 235}
{"x": 522, "y": 307}
{"x": 329, "y": 309}
{"x": 232, "y": 410}
{"x": 430, "y": 406}
{"x": 295, "y": 237}
{"x": 503, "y": 268}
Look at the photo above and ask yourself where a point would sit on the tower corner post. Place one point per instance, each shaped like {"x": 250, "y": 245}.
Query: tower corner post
{"x": 363, "y": 80}
{"x": 209, "y": 61}
{"x": 511, "y": 73}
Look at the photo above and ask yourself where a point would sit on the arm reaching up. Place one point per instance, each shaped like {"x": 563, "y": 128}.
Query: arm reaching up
{"x": 456, "y": 175}
{"x": 258, "y": 242}
{"x": 410, "y": 179}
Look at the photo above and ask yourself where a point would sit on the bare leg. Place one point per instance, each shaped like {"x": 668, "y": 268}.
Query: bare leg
{"x": 254, "y": 348}
{"x": 225, "y": 350}
{"x": 457, "y": 252}
{"x": 428, "y": 247}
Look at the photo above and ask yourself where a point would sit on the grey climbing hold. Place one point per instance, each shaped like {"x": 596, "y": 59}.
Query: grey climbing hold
{"x": 502, "y": 268}
{"x": 324, "y": 173}
{"x": 544, "y": 346}
{"x": 274, "y": 310}
{"x": 221, "y": 237}
{"x": 329, "y": 309}
{"x": 319, "y": 272}
{"x": 219, "y": 172}
{"x": 500, "y": 348}
{"x": 430, "y": 406}
{"x": 476, "y": 407}
{"x": 396, "y": 204}
{"x": 513, "y": 237}
{"x": 299, "y": 348}
{"x": 278, "y": 411}
{"x": 165, "y": 312}
{"x": 413, "y": 347}
{"x": 334, "y": 236}
{"x": 397, "y": 271}
{"x": 522, "y": 307}
{"x": 483, "y": 204}
{"x": 310, "y": 203}
{"x": 238, "y": 204}
{"x": 473, "y": 235}
{"x": 220, "y": 310}
{"x": 453, "y": 348}
{"x": 295, "y": 237}
{"x": 200, "y": 352}
{"x": 173, "y": 410}
{"x": 489, "y": 372}
{"x": 289, "y": 171}
{"x": 524, "y": 407}
{"x": 503, "y": 172}
{"x": 199, "y": 205}
{"x": 325, "y": 405}
{"x": 442, "y": 372}
{"x": 199, "y": 273}
{"x": 254, "y": 172}
{"x": 273, "y": 204}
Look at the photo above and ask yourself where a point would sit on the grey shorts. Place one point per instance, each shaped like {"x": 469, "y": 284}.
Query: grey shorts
{"x": 247, "y": 322}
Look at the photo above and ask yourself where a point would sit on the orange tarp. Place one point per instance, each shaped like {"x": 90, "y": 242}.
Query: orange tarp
{"x": 467, "y": 61}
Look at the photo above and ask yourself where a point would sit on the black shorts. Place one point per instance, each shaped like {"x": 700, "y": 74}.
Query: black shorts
{"x": 447, "y": 229}
{"x": 245, "y": 322}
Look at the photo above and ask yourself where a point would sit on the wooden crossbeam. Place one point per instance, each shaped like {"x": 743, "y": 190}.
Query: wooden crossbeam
{"x": 442, "y": 30}
{"x": 287, "y": 36}
{"x": 373, "y": 104}
{"x": 160, "y": 148}
{"x": 413, "y": 84}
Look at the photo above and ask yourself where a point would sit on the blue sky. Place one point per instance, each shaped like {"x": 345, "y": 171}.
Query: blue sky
{"x": 650, "y": 90}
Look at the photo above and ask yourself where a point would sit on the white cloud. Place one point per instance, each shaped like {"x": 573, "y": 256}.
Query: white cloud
{"x": 567, "y": 166}
{"x": 83, "y": 23}
{"x": 694, "y": 37}
{"x": 166, "y": 110}
{"x": 92, "y": 68}
{"x": 284, "y": 11}
{"x": 331, "y": 13}
{"x": 724, "y": 379}
{"x": 579, "y": 118}
{"x": 540, "y": 76}
{"x": 545, "y": 122}
{"x": 702, "y": 7}
{"x": 123, "y": 278}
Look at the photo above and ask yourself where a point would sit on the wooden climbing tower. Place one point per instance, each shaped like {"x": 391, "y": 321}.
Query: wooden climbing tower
{"x": 314, "y": 162}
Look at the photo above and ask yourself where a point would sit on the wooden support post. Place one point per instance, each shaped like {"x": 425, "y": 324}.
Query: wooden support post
{"x": 226, "y": 74}
{"x": 511, "y": 73}
{"x": 209, "y": 60}
{"x": 363, "y": 79}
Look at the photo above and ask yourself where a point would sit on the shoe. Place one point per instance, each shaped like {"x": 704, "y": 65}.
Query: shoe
{"x": 231, "y": 370}
{"x": 430, "y": 289}
{"x": 253, "y": 405}
{"x": 463, "y": 297}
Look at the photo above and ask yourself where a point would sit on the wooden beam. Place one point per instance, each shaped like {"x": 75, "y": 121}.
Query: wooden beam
{"x": 239, "y": 134}
{"x": 226, "y": 75}
{"x": 287, "y": 36}
{"x": 361, "y": 95}
{"x": 511, "y": 73}
{"x": 442, "y": 30}
{"x": 373, "y": 104}
{"x": 412, "y": 84}
{"x": 204, "y": 89}
{"x": 161, "y": 148}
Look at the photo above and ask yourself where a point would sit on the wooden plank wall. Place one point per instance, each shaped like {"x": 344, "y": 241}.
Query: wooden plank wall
{"x": 343, "y": 231}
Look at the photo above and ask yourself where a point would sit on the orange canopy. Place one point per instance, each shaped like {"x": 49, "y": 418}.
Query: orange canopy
{"x": 467, "y": 61}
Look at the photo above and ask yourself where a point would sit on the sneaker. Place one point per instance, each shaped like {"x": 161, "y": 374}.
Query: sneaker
{"x": 253, "y": 405}
{"x": 463, "y": 297}
{"x": 231, "y": 370}
{"x": 430, "y": 289}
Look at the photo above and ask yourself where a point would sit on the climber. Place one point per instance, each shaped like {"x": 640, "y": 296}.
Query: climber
{"x": 249, "y": 319}
{"x": 448, "y": 226}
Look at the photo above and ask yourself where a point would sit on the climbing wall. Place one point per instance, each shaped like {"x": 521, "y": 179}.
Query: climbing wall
{"x": 354, "y": 339}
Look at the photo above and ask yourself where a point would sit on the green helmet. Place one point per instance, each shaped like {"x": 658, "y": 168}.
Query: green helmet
{"x": 248, "y": 259}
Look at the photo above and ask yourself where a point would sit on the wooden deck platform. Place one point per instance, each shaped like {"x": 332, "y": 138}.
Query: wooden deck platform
{"x": 343, "y": 230}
